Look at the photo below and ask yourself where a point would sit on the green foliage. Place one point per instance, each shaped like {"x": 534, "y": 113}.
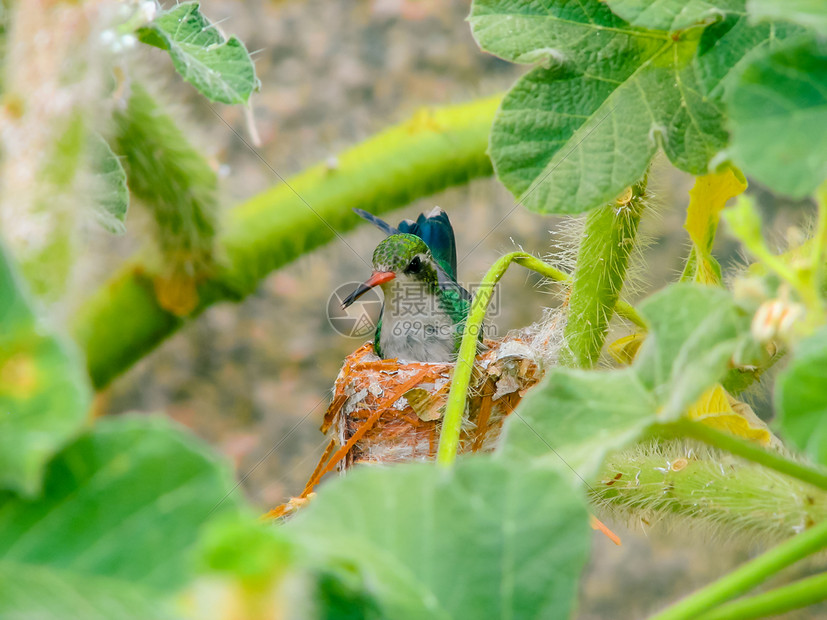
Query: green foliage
{"x": 673, "y": 15}
{"x": 578, "y": 416}
{"x": 801, "y": 399}
{"x": 42, "y": 592}
{"x": 573, "y": 135}
{"x": 44, "y": 395}
{"x": 111, "y": 196}
{"x": 121, "y": 510}
{"x": 220, "y": 68}
{"x": 778, "y": 113}
{"x": 809, "y": 13}
{"x": 467, "y": 542}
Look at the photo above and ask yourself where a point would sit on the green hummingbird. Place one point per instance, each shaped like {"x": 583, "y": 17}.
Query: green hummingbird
{"x": 425, "y": 309}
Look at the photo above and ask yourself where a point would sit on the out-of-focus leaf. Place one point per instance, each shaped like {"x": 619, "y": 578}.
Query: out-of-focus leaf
{"x": 125, "y": 501}
{"x": 778, "y": 117}
{"x": 518, "y": 538}
{"x": 44, "y": 391}
{"x": 45, "y": 593}
{"x": 801, "y": 398}
{"x": 706, "y": 201}
{"x": 220, "y": 68}
{"x": 726, "y": 47}
{"x": 809, "y": 13}
{"x": 573, "y": 134}
{"x": 673, "y": 14}
{"x": 575, "y": 417}
{"x": 111, "y": 195}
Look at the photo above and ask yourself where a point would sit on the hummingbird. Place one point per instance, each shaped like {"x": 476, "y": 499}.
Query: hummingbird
{"x": 424, "y": 311}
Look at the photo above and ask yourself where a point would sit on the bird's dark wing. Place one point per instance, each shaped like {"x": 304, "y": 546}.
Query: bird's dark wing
{"x": 436, "y": 231}
{"x": 378, "y": 222}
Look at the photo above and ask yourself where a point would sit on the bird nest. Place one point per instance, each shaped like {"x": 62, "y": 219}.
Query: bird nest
{"x": 384, "y": 411}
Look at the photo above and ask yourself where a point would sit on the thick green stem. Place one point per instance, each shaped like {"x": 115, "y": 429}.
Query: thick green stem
{"x": 436, "y": 149}
{"x": 749, "y": 451}
{"x": 781, "y": 600}
{"x": 749, "y": 575}
{"x": 605, "y": 248}
{"x": 687, "y": 485}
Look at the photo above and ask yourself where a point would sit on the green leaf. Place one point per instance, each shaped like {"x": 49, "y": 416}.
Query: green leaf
{"x": 801, "y": 400}
{"x": 694, "y": 330}
{"x": 126, "y": 501}
{"x": 220, "y": 68}
{"x": 111, "y": 195}
{"x": 673, "y": 14}
{"x": 517, "y": 537}
{"x": 44, "y": 392}
{"x": 809, "y": 13}
{"x": 576, "y": 417}
{"x": 778, "y": 114}
{"x": 575, "y": 134}
{"x": 44, "y": 593}
{"x": 728, "y": 46}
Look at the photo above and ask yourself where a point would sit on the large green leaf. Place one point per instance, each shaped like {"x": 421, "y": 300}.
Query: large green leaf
{"x": 44, "y": 392}
{"x": 809, "y": 13}
{"x": 673, "y": 14}
{"x": 575, "y": 417}
{"x": 728, "y": 46}
{"x": 778, "y": 112}
{"x": 574, "y": 134}
{"x": 517, "y": 538}
{"x": 45, "y": 593}
{"x": 801, "y": 398}
{"x": 218, "y": 67}
{"x": 125, "y": 501}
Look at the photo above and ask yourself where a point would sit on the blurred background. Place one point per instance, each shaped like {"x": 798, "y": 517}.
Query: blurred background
{"x": 254, "y": 378}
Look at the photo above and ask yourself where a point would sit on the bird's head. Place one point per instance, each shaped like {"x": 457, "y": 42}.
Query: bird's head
{"x": 402, "y": 257}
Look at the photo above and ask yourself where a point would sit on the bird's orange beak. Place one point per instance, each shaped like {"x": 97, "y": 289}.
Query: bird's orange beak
{"x": 376, "y": 278}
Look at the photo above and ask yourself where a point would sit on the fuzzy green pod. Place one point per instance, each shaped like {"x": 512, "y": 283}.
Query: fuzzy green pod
{"x": 606, "y": 245}
{"x": 179, "y": 188}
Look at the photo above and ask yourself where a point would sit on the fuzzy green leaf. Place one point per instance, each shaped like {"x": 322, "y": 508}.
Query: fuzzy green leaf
{"x": 124, "y": 501}
{"x": 573, "y": 135}
{"x": 673, "y": 14}
{"x": 809, "y": 13}
{"x": 728, "y": 46}
{"x": 220, "y": 68}
{"x": 576, "y": 417}
{"x": 801, "y": 400}
{"x": 111, "y": 195}
{"x": 778, "y": 113}
{"x": 517, "y": 536}
{"x": 44, "y": 392}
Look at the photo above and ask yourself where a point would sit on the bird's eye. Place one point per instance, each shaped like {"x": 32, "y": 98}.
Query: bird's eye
{"x": 414, "y": 266}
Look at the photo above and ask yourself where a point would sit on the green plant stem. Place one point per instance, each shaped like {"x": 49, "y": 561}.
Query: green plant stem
{"x": 781, "y": 600}
{"x": 436, "y": 149}
{"x": 603, "y": 257}
{"x": 687, "y": 485}
{"x": 458, "y": 394}
{"x": 749, "y": 575}
{"x": 747, "y": 450}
